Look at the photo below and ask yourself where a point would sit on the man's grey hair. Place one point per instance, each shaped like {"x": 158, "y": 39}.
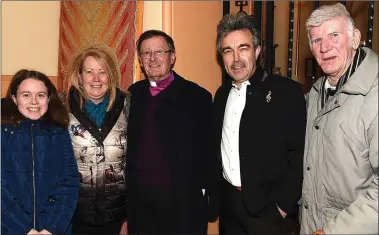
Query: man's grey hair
{"x": 328, "y": 12}
{"x": 239, "y": 21}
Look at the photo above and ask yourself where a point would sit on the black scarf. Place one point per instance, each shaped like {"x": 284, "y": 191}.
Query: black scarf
{"x": 327, "y": 93}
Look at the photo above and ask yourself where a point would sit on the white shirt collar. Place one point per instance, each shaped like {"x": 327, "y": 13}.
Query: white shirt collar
{"x": 245, "y": 83}
{"x": 328, "y": 85}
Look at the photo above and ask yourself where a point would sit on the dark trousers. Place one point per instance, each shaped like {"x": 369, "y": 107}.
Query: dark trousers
{"x": 236, "y": 219}
{"x": 156, "y": 213}
{"x": 83, "y": 229}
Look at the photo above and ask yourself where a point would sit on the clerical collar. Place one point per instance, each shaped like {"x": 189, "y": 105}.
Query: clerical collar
{"x": 163, "y": 82}
{"x": 157, "y": 86}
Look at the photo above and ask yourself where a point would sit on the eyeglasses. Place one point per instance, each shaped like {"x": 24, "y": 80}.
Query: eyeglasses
{"x": 157, "y": 54}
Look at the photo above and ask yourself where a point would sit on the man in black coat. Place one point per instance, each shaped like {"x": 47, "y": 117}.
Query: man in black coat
{"x": 168, "y": 154}
{"x": 260, "y": 128}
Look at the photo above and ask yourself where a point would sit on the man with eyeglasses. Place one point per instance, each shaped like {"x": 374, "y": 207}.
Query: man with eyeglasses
{"x": 168, "y": 143}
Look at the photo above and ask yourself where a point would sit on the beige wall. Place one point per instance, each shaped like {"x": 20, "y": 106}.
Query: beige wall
{"x": 152, "y": 12}
{"x": 30, "y": 32}
{"x": 195, "y": 40}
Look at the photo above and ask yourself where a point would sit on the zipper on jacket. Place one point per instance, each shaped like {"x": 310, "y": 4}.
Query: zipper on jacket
{"x": 34, "y": 182}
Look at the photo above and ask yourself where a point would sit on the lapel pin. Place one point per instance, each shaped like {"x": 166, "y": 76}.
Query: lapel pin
{"x": 268, "y": 97}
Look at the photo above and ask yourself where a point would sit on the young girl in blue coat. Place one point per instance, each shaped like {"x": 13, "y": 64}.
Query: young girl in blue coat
{"x": 39, "y": 173}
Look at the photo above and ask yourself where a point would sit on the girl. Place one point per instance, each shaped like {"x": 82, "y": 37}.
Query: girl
{"x": 39, "y": 174}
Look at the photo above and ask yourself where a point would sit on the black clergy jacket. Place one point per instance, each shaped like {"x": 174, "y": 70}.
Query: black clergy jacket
{"x": 183, "y": 122}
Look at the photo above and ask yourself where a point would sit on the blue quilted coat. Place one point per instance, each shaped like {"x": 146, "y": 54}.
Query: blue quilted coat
{"x": 39, "y": 178}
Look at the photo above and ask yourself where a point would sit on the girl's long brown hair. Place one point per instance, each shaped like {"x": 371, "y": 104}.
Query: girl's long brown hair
{"x": 56, "y": 113}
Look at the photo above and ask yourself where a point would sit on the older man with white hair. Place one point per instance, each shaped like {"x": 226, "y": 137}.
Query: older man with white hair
{"x": 340, "y": 187}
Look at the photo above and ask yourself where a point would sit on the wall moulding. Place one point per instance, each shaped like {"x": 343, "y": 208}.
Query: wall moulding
{"x": 6, "y": 80}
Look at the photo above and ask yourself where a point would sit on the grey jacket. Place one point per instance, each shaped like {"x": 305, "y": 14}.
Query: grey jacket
{"x": 340, "y": 187}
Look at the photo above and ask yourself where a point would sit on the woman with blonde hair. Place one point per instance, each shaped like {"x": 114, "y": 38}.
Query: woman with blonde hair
{"x": 98, "y": 122}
